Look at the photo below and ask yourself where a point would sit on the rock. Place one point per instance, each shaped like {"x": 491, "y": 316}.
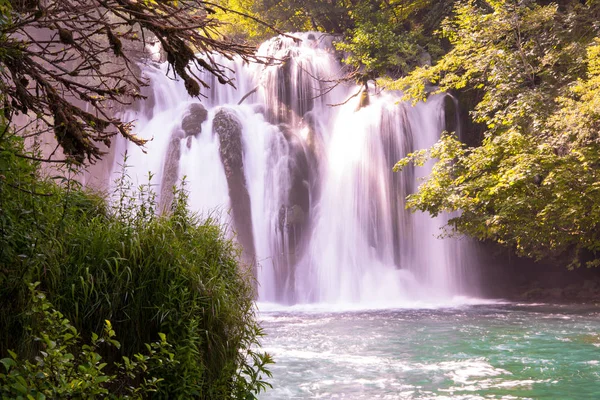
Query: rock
{"x": 471, "y": 133}
{"x": 313, "y": 139}
{"x": 299, "y": 170}
{"x": 533, "y": 294}
{"x": 572, "y": 290}
{"x": 192, "y": 122}
{"x": 315, "y": 152}
{"x": 590, "y": 285}
{"x": 228, "y": 128}
{"x": 451, "y": 115}
{"x": 555, "y": 293}
{"x": 281, "y": 109}
{"x": 424, "y": 59}
{"x": 295, "y": 88}
{"x": 170, "y": 172}
{"x": 146, "y": 106}
{"x": 293, "y": 216}
{"x": 259, "y": 109}
{"x": 290, "y": 217}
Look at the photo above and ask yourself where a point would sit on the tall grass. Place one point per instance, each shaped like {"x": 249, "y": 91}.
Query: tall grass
{"x": 146, "y": 273}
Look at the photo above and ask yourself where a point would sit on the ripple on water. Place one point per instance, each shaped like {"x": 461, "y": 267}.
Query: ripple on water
{"x": 477, "y": 352}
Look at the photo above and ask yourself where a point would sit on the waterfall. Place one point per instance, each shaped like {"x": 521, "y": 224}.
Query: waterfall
{"x": 301, "y": 174}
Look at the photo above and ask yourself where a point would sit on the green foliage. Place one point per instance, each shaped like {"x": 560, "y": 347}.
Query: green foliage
{"x": 5, "y": 9}
{"x": 386, "y": 37}
{"x": 533, "y": 182}
{"x": 375, "y": 45}
{"x": 242, "y": 19}
{"x": 286, "y": 16}
{"x": 148, "y": 274}
{"x": 379, "y": 37}
{"x": 67, "y": 368}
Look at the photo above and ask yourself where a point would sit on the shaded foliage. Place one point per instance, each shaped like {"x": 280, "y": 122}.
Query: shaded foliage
{"x": 66, "y": 367}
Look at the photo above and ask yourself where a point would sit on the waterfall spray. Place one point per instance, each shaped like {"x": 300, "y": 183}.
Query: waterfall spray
{"x": 306, "y": 188}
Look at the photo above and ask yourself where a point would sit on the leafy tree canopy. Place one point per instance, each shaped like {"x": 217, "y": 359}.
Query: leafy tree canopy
{"x": 377, "y": 37}
{"x": 533, "y": 184}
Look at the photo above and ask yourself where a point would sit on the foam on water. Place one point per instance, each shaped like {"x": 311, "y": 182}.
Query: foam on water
{"x": 454, "y": 302}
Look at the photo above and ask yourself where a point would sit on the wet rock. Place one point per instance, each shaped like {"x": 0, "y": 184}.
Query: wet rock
{"x": 145, "y": 105}
{"x": 572, "y": 290}
{"x": 228, "y": 128}
{"x": 451, "y": 115}
{"x": 471, "y": 133}
{"x": 533, "y": 294}
{"x": 170, "y": 172}
{"x": 555, "y": 293}
{"x": 192, "y": 122}
{"x": 591, "y": 285}
{"x": 315, "y": 152}
{"x": 299, "y": 170}
{"x": 293, "y": 216}
{"x": 294, "y": 87}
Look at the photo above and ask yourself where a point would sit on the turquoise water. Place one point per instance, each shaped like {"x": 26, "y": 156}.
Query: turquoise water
{"x": 494, "y": 351}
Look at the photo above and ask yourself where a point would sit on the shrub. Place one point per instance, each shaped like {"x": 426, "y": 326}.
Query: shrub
{"x": 174, "y": 274}
{"x": 66, "y": 368}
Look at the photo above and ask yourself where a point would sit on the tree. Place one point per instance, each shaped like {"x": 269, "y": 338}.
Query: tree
{"x": 533, "y": 182}
{"x": 392, "y": 37}
{"x": 67, "y": 63}
{"x": 377, "y": 37}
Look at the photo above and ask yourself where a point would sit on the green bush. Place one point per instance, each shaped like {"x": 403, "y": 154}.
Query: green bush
{"x": 65, "y": 368}
{"x": 120, "y": 261}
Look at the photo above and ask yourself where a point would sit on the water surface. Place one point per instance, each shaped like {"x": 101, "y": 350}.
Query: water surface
{"x": 491, "y": 351}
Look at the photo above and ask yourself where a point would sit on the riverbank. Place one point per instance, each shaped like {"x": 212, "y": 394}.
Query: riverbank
{"x": 587, "y": 291}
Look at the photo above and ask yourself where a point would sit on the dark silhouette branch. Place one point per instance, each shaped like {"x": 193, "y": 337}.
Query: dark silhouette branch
{"x": 71, "y": 65}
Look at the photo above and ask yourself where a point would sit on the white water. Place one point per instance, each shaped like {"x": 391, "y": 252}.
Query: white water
{"x": 327, "y": 212}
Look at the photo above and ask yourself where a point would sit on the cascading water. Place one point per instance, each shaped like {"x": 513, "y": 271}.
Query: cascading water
{"x": 308, "y": 187}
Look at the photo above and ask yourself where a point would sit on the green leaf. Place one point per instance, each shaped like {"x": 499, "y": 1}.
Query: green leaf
{"x": 8, "y": 363}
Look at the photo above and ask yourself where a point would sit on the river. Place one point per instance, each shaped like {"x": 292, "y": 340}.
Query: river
{"x": 478, "y": 351}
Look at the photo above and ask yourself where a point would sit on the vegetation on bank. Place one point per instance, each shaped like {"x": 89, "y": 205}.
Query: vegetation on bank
{"x": 112, "y": 300}
{"x": 108, "y": 299}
